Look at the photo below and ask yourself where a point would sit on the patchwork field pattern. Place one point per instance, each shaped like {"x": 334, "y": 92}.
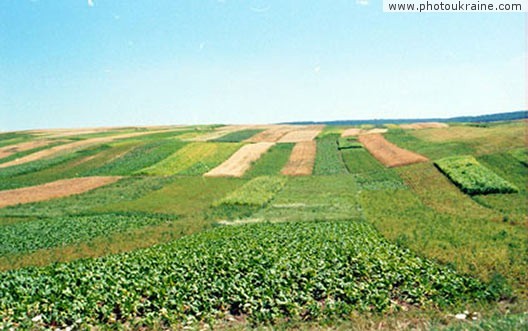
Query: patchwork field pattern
{"x": 388, "y": 153}
{"x": 141, "y": 157}
{"x": 302, "y": 159}
{"x": 272, "y": 162}
{"x": 76, "y": 164}
{"x": 53, "y": 151}
{"x": 193, "y": 154}
{"x": 53, "y": 190}
{"x": 473, "y": 178}
{"x": 356, "y": 245}
{"x": 241, "y": 161}
{"x": 13, "y": 149}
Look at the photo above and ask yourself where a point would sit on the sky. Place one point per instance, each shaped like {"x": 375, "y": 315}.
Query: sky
{"x": 84, "y": 63}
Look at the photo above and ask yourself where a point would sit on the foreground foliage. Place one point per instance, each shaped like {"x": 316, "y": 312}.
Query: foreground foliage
{"x": 472, "y": 177}
{"x": 263, "y": 271}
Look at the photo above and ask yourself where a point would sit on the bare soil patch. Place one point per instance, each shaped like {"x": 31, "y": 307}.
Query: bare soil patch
{"x": 300, "y": 135}
{"x": 352, "y": 132}
{"x": 388, "y": 153}
{"x": 53, "y": 190}
{"x": 241, "y": 161}
{"x": 424, "y": 125}
{"x": 302, "y": 159}
{"x": 71, "y": 146}
{"x": 12, "y": 149}
{"x": 272, "y": 134}
{"x": 376, "y": 130}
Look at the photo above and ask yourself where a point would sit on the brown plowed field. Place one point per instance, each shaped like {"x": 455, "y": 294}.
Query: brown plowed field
{"x": 12, "y": 149}
{"x": 71, "y": 146}
{"x": 241, "y": 161}
{"x": 53, "y": 190}
{"x": 302, "y": 159}
{"x": 388, "y": 153}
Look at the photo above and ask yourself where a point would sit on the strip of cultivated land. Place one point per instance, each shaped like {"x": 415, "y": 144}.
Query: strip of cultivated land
{"x": 12, "y": 149}
{"x": 388, "y": 153}
{"x": 272, "y": 134}
{"x": 241, "y": 161}
{"x": 424, "y": 125}
{"x": 53, "y": 190}
{"x": 302, "y": 159}
{"x": 71, "y": 146}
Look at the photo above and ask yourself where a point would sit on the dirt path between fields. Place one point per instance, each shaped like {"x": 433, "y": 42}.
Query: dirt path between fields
{"x": 388, "y": 153}
{"x": 241, "y": 161}
{"x": 302, "y": 159}
{"x": 53, "y": 190}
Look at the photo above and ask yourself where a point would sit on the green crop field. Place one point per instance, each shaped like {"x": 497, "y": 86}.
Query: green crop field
{"x": 193, "y": 159}
{"x": 328, "y": 160}
{"x": 473, "y": 178}
{"x": 354, "y": 246}
{"x": 237, "y": 136}
{"x": 264, "y": 272}
{"x": 272, "y": 162}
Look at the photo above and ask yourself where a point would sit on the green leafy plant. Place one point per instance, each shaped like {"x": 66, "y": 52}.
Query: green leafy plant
{"x": 472, "y": 177}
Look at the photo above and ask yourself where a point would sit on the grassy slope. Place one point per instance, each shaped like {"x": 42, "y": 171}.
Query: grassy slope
{"x": 435, "y": 219}
{"x": 313, "y": 198}
{"x": 513, "y": 207}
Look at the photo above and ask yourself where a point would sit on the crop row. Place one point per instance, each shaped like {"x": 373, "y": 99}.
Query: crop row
{"x": 193, "y": 159}
{"x": 328, "y": 160}
{"x": 117, "y": 193}
{"x": 238, "y": 136}
{"x": 140, "y": 157}
{"x": 271, "y": 162}
{"x": 472, "y": 177}
{"x": 265, "y": 272}
{"x": 58, "y": 231}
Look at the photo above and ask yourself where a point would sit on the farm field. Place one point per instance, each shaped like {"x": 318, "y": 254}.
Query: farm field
{"x": 255, "y": 226}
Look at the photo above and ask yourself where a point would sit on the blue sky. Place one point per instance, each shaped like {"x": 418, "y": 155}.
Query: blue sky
{"x": 98, "y": 63}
